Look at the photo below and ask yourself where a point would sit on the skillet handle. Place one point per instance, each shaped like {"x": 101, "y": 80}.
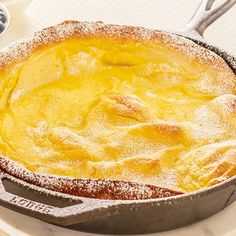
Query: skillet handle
{"x": 204, "y": 16}
{"x": 59, "y": 209}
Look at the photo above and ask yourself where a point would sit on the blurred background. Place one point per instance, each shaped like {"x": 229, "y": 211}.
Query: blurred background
{"x": 28, "y": 16}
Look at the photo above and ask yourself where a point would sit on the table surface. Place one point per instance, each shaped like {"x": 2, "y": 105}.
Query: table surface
{"x": 157, "y": 14}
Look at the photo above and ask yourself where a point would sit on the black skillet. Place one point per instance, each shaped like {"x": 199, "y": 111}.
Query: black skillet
{"x": 128, "y": 216}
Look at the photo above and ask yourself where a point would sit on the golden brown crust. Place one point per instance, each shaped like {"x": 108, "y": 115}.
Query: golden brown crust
{"x": 92, "y": 188}
{"x": 21, "y": 50}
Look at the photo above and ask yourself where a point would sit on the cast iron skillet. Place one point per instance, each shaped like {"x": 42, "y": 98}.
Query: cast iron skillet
{"x": 128, "y": 216}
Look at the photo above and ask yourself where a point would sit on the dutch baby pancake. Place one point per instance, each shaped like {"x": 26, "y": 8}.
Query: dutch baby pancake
{"x": 108, "y": 104}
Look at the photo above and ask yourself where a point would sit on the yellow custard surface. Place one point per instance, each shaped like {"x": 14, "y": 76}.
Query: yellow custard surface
{"x": 119, "y": 109}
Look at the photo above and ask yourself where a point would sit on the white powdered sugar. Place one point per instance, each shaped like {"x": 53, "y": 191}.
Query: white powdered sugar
{"x": 207, "y": 124}
{"x": 93, "y": 188}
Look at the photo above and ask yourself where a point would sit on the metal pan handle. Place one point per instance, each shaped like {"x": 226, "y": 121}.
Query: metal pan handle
{"x": 204, "y": 16}
{"x": 78, "y": 211}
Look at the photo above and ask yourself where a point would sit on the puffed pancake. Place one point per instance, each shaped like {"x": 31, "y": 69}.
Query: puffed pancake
{"x": 116, "y": 112}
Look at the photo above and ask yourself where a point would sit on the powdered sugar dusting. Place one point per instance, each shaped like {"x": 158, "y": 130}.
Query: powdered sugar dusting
{"x": 94, "y": 188}
{"x": 167, "y": 179}
{"x": 208, "y": 125}
{"x": 21, "y": 50}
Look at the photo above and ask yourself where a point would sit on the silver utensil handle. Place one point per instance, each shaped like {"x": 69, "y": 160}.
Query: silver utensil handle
{"x": 204, "y": 16}
{"x": 5, "y": 19}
